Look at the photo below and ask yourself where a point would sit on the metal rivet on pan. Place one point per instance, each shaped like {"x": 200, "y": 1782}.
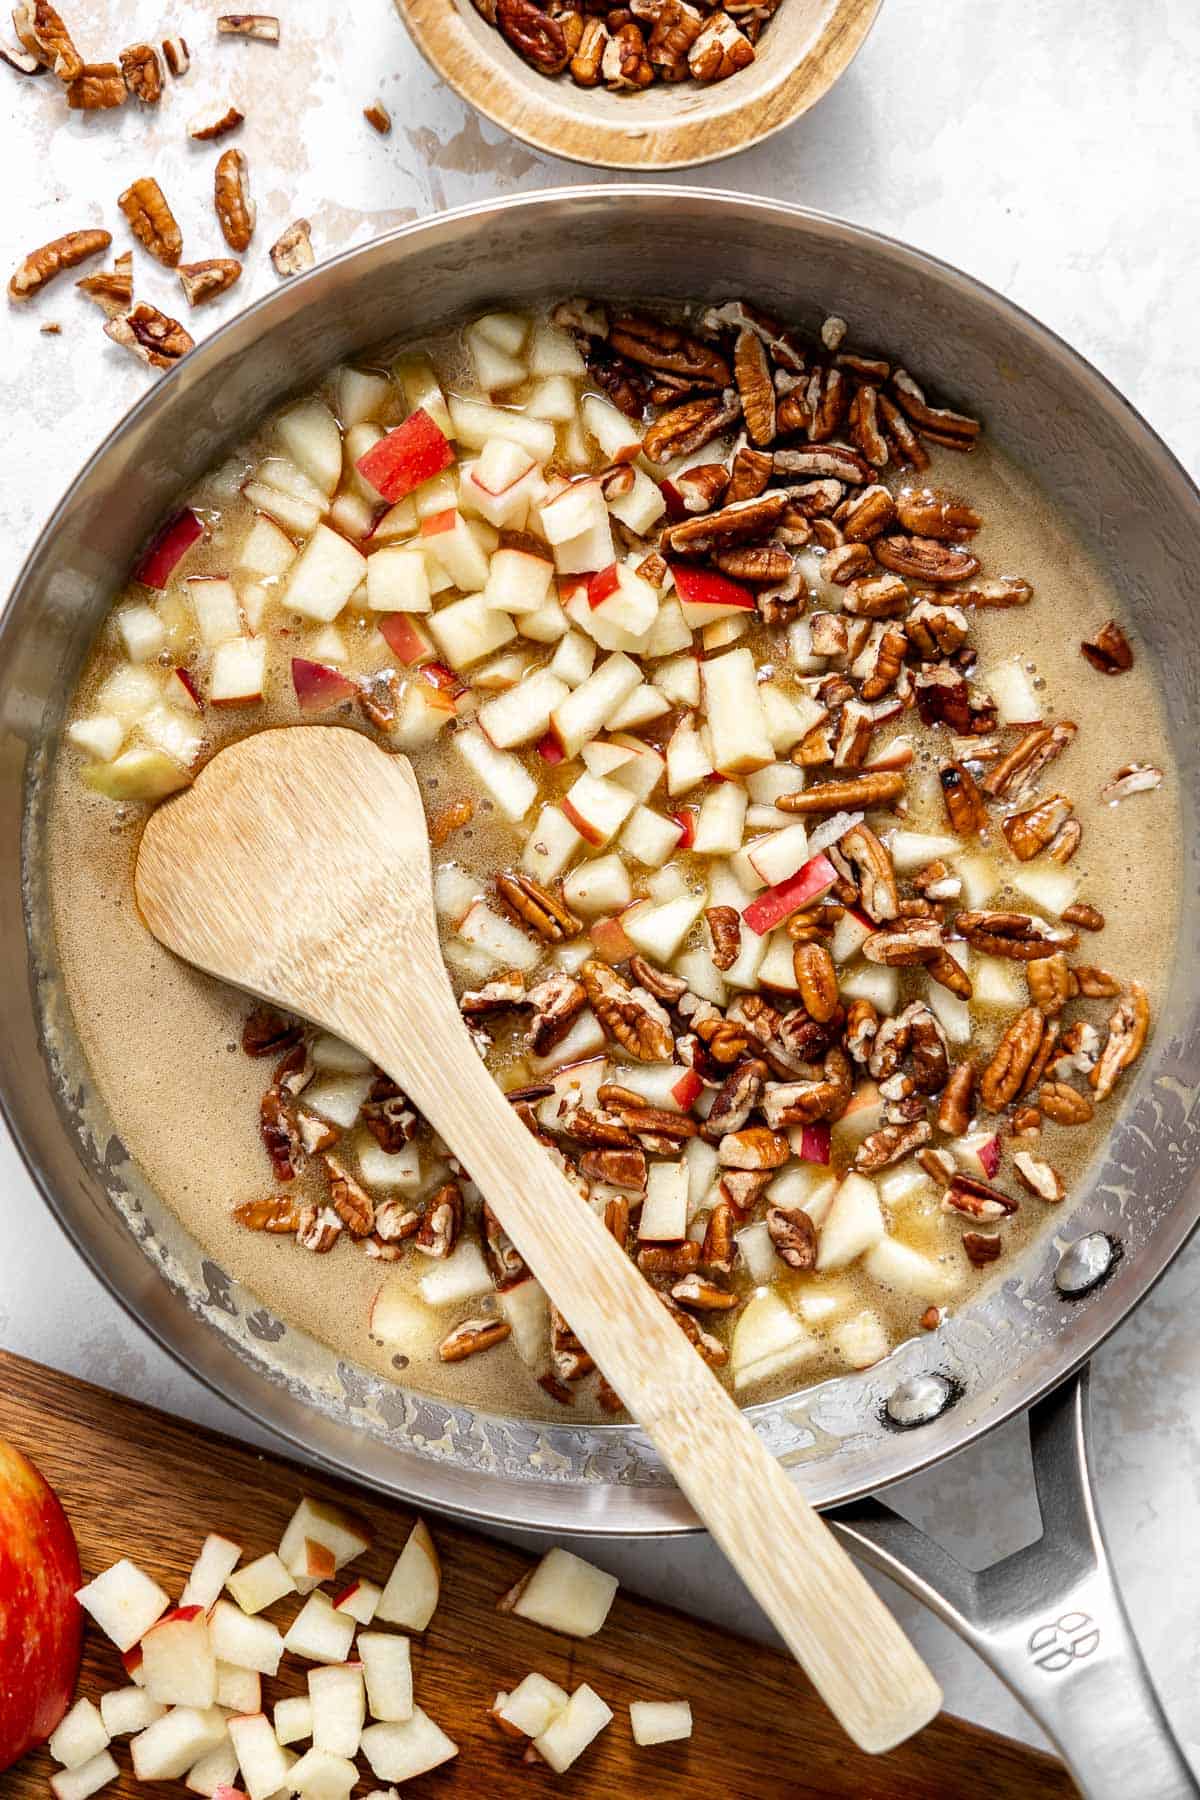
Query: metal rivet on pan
{"x": 1085, "y": 1263}
{"x": 919, "y": 1400}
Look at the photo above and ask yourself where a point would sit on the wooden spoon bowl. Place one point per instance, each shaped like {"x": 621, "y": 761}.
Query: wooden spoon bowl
{"x": 804, "y": 49}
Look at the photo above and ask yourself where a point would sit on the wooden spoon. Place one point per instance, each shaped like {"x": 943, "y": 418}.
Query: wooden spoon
{"x": 297, "y": 867}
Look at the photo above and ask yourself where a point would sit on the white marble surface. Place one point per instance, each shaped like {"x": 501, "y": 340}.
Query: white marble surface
{"x": 1049, "y": 149}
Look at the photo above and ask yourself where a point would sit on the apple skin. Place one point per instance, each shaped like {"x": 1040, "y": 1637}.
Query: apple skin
{"x": 41, "y": 1622}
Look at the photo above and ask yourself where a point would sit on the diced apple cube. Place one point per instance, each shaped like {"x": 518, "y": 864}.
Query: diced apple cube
{"x": 553, "y": 398}
{"x": 238, "y": 671}
{"x": 290, "y": 511}
{"x": 566, "y": 1594}
{"x": 575, "y": 516}
{"x": 142, "y": 632}
{"x": 598, "y": 887}
{"x": 688, "y": 758}
{"x": 705, "y": 596}
{"x": 339, "y": 1708}
{"x": 586, "y": 709}
{"x": 323, "y": 577}
{"x": 996, "y": 983}
{"x": 736, "y": 723}
{"x": 572, "y": 662}
{"x": 463, "y": 1275}
{"x": 522, "y": 714}
{"x": 642, "y": 507}
{"x": 532, "y": 1706}
{"x": 581, "y": 1721}
{"x": 777, "y": 856}
{"x": 506, "y": 782}
{"x": 494, "y": 368}
{"x": 507, "y": 331}
{"x": 319, "y": 1632}
{"x": 293, "y": 1719}
{"x": 422, "y": 392}
{"x": 757, "y": 1251}
{"x": 789, "y": 717}
{"x": 659, "y": 1721}
{"x": 79, "y": 1736}
{"x": 124, "y": 1603}
{"x": 777, "y": 969}
{"x": 177, "y": 734}
{"x": 264, "y": 1766}
{"x": 129, "y": 692}
{"x": 503, "y": 941}
{"x": 387, "y": 1668}
{"x": 768, "y": 1339}
{"x": 911, "y": 850}
{"x": 669, "y": 634}
{"x": 125, "y": 1710}
{"x": 1010, "y": 686}
{"x": 361, "y": 394}
{"x": 310, "y": 435}
{"x": 643, "y": 774}
{"x": 849, "y": 935}
{"x": 862, "y": 1340}
{"x": 398, "y": 580}
{"x": 517, "y": 581}
{"x": 645, "y": 704}
{"x": 99, "y": 736}
{"x": 650, "y": 838}
{"x": 664, "y": 1215}
{"x": 411, "y": 1594}
{"x": 178, "y": 1664}
{"x": 853, "y": 1225}
{"x": 618, "y": 438}
{"x": 166, "y": 1750}
{"x": 398, "y": 1752}
{"x": 679, "y": 679}
{"x": 873, "y": 982}
{"x": 397, "y": 1171}
{"x": 81, "y": 1783}
{"x": 260, "y": 1583}
{"x": 469, "y": 629}
{"x": 552, "y": 352}
{"x": 340, "y": 1534}
{"x": 658, "y": 931}
{"x": 1051, "y": 890}
{"x": 245, "y": 1642}
{"x": 597, "y": 807}
{"x": 905, "y": 1271}
{"x": 551, "y": 845}
{"x": 527, "y": 1311}
{"x": 545, "y": 626}
{"x": 720, "y": 820}
{"x": 474, "y": 422}
{"x": 215, "y": 1773}
{"x": 980, "y": 879}
{"x": 319, "y": 1775}
{"x": 266, "y": 549}
{"x": 239, "y": 1689}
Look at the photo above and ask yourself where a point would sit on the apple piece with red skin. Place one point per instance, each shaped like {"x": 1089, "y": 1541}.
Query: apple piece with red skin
{"x": 685, "y": 818}
{"x": 168, "y": 545}
{"x": 687, "y": 1090}
{"x": 675, "y": 503}
{"x": 405, "y": 638}
{"x": 610, "y": 942}
{"x": 318, "y": 687}
{"x": 601, "y": 585}
{"x": 979, "y": 1153}
{"x": 550, "y": 750}
{"x": 407, "y": 457}
{"x": 804, "y": 888}
{"x": 41, "y": 1622}
{"x": 705, "y": 595}
{"x": 183, "y": 692}
{"x": 815, "y": 1142}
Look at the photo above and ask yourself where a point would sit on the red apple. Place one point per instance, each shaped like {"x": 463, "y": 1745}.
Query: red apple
{"x": 439, "y": 521}
{"x": 412, "y": 454}
{"x": 318, "y": 687}
{"x": 815, "y": 1142}
{"x": 166, "y": 547}
{"x": 404, "y": 637}
{"x": 686, "y": 1089}
{"x": 704, "y": 587}
{"x": 41, "y": 1622}
{"x": 602, "y": 585}
{"x": 804, "y": 888}
{"x": 549, "y": 749}
{"x": 685, "y": 818}
{"x": 439, "y": 676}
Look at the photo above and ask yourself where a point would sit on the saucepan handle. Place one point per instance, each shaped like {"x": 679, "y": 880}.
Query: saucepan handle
{"x": 1049, "y": 1619}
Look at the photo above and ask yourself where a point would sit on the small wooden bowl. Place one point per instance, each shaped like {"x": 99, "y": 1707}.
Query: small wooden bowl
{"x": 802, "y": 52}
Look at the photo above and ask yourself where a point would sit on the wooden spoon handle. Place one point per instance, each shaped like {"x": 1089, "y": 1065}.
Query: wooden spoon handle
{"x": 838, "y": 1629}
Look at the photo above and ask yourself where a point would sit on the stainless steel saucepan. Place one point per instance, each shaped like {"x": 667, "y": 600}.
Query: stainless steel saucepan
{"x": 1049, "y": 1619}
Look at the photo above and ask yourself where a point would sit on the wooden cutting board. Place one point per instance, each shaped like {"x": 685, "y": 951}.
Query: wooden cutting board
{"x": 141, "y": 1484}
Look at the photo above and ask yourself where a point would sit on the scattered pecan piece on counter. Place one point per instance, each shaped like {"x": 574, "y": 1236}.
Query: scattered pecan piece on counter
{"x": 22, "y": 62}
{"x": 292, "y": 252}
{"x": 1127, "y": 1029}
{"x": 1063, "y": 1104}
{"x": 177, "y": 56}
{"x": 41, "y": 31}
{"x": 203, "y": 281}
{"x": 441, "y": 1223}
{"x": 967, "y": 1195}
{"x": 1041, "y": 1178}
{"x": 231, "y": 193}
{"x": 43, "y": 264}
{"x": 472, "y": 1337}
{"x": 216, "y": 123}
{"x": 794, "y": 1236}
{"x": 378, "y": 117}
{"x": 278, "y": 1214}
{"x": 111, "y": 289}
{"x": 142, "y": 73}
{"x": 1110, "y": 650}
{"x": 157, "y": 339}
{"x": 630, "y": 1016}
{"x": 545, "y": 913}
{"x": 262, "y": 27}
{"x": 1002, "y": 1080}
{"x": 1032, "y": 831}
{"x": 982, "y": 1247}
{"x": 151, "y": 220}
{"x": 1134, "y": 778}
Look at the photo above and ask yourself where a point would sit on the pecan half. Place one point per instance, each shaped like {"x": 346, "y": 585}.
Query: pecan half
{"x": 743, "y": 1188}
{"x": 816, "y": 978}
{"x": 719, "y": 1249}
{"x": 631, "y": 1017}
{"x": 906, "y": 946}
{"x": 752, "y": 373}
{"x": 535, "y": 906}
{"x": 900, "y": 436}
{"x": 669, "y": 1259}
{"x": 720, "y": 50}
{"x": 263, "y": 27}
{"x": 1094, "y": 983}
{"x": 1015, "y": 935}
{"x": 982, "y": 1247}
{"x": 1041, "y": 1178}
{"x": 725, "y": 925}
{"x": 389, "y": 1115}
{"x": 928, "y": 512}
{"x": 441, "y": 1222}
{"x": 873, "y": 867}
{"x": 151, "y": 220}
{"x": 1110, "y": 650}
{"x": 142, "y": 73}
{"x": 1030, "y": 832}
{"x": 394, "y": 1221}
{"x": 703, "y": 1295}
{"x": 616, "y": 1168}
{"x": 1051, "y": 984}
{"x": 736, "y": 1099}
{"x": 668, "y": 348}
{"x": 975, "y": 1198}
{"x": 1004, "y": 1076}
{"x": 963, "y": 801}
{"x": 624, "y": 63}
{"x": 1001, "y": 591}
{"x": 823, "y": 461}
{"x": 794, "y": 1236}
{"x": 49, "y": 260}
{"x": 557, "y": 1002}
{"x": 887, "y": 1145}
{"x": 804, "y": 1102}
{"x": 850, "y": 795}
{"x": 471, "y": 1337}
{"x": 1083, "y": 914}
{"x": 1064, "y": 1104}
{"x": 292, "y": 252}
{"x": 865, "y": 430}
{"x": 882, "y": 597}
{"x": 203, "y": 281}
{"x": 378, "y": 117}
{"x": 1127, "y": 1028}
{"x": 158, "y": 340}
{"x": 278, "y": 1214}
{"x": 351, "y": 1203}
{"x": 954, "y": 1107}
{"x": 866, "y": 514}
{"x": 689, "y": 427}
{"x": 924, "y": 559}
{"x": 268, "y": 1033}
{"x": 231, "y": 193}
{"x": 1024, "y": 763}
{"x": 280, "y": 1134}
{"x": 862, "y": 1025}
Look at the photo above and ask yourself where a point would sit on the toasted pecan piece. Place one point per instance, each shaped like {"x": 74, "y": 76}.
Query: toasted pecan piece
{"x": 1041, "y": 1178}
{"x": 849, "y": 795}
{"x": 668, "y": 348}
{"x": 441, "y": 1222}
{"x": 43, "y": 264}
{"x": 292, "y": 252}
{"x": 351, "y": 1202}
{"x": 1110, "y": 650}
{"x": 924, "y": 559}
{"x": 544, "y": 912}
{"x": 1005, "y": 1074}
{"x": 203, "y": 281}
{"x": 982, "y": 1247}
{"x": 1016, "y": 935}
{"x": 472, "y": 1337}
{"x": 1033, "y": 830}
{"x": 1063, "y": 1104}
{"x": 152, "y": 336}
{"x": 1051, "y": 983}
{"x": 231, "y": 192}
{"x": 967, "y": 1195}
{"x": 732, "y": 524}
{"x": 1020, "y": 768}
{"x": 963, "y": 801}
{"x": 929, "y": 512}
{"x": 630, "y": 1016}
{"x": 752, "y": 373}
{"x": 794, "y": 1236}
{"x": 151, "y": 220}
{"x": 1127, "y": 1029}
{"x": 954, "y": 1107}
{"x": 278, "y": 1214}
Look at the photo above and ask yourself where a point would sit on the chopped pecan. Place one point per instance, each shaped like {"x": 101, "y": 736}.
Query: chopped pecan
{"x": 351, "y": 1203}
{"x": 668, "y": 348}
{"x": 1083, "y": 914}
{"x": 151, "y": 220}
{"x": 720, "y": 50}
{"x": 557, "y": 1002}
{"x": 530, "y": 904}
{"x": 804, "y": 1102}
{"x": 624, "y": 63}
{"x": 900, "y": 436}
{"x": 816, "y": 978}
{"x": 865, "y": 430}
{"x": 158, "y": 340}
{"x": 278, "y": 1214}
{"x": 203, "y": 281}
{"x": 1027, "y": 1122}
{"x": 743, "y": 1188}
{"x": 936, "y": 628}
{"x": 928, "y": 512}
{"x": 389, "y": 1115}
{"x": 1015, "y": 935}
{"x": 1094, "y": 983}
{"x": 616, "y": 1219}
{"x": 954, "y": 429}
{"x": 316, "y": 1134}
{"x": 658, "y": 1129}
{"x": 587, "y": 60}
{"x": 551, "y": 1385}
{"x": 887, "y": 1145}
{"x": 176, "y": 56}
{"x": 216, "y": 123}
{"x": 268, "y": 1033}
{"x": 937, "y": 1164}
{"x": 280, "y": 1134}
{"x": 631, "y": 1017}
{"x": 794, "y": 1236}
{"x": 1025, "y": 761}
{"x": 318, "y": 1229}
{"x": 687, "y": 428}
{"x": 982, "y": 1247}
{"x": 924, "y": 559}
{"x": 22, "y": 62}
{"x": 862, "y": 1024}
{"x": 848, "y": 563}
{"x": 378, "y": 117}
{"x": 701, "y": 487}
{"x": 1110, "y": 650}
{"x": 1004, "y": 1076}
{"x": 292, "y": 252}
{"x": 884, "y": 660}
{"x": 142, "y": 73}
{"x": 965, "y": 1194}
{"x": 937, "y": 881}
{"x": 1030, "y": 832}
{"x": 813, "y": 500}
{"x": 588, "y": 1127}
{"x": 1079, "y": 1049}
{"x": 43, "y": 264}
{"x": 617, "y": 1168}
{"x": 823, "y": 462}
{"x": 1000, "y": 591}
{"x": 501, "y": 994}
{"x": 1063, "y": 1104}
{"x": 263, "y": 27}
{"x": 963, "y": 801}
{"x": 725, "y": 1040}
{"x": 111, "y": 289}
{"x": 1041, "y": 1178}
{"x": 450, "y": 818}
{"x": 754, "y": 1147}
{"x": 1127, "y": 1028}
{"x": 736, "y": 1099}
{"x": 867, "y": 513}
{"x": 813, "y": 923}
{"x": 752, "y": 373}
{"x": 710, "y": 1349}
{"x": 669, "y": 1259}
{"x": 394, "y": 1221}
{"x": 703, "y": 1295}
{"x": 1134, "y": 778}
{"x": 852, "y": 794}
{"x": 1051, "y": 983}
{"x": 954, "y": 1107}
{"x": 882, "y": 597}
{"x": 472, "y": 1336}
{"x": 42, "y": 32}
{"x": 719, "y": 1249}
{"x": 441, "y": 1222}
{"x": 929, "y": 1049}
{"x": 235, "y": 209}
{"x": 828, "y": 399}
